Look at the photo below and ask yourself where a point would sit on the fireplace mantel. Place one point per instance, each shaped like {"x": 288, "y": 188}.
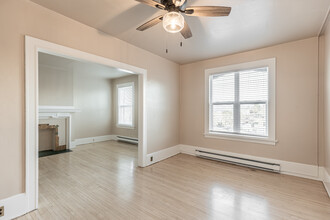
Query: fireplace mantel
{"x": 65, "y": 112}
{"x": 57, "y": 109}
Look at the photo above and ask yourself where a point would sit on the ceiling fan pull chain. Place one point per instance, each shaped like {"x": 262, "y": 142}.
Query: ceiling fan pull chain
{"x": 166, "y": 39}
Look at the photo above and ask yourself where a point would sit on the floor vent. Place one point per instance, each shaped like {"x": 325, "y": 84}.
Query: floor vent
{"x": 261, "y": 165}
{"x": 128, "y": 139}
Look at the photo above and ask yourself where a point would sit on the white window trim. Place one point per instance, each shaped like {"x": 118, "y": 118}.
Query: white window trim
{"x": 271, "y": 139}
{"x": 133, "y": 104}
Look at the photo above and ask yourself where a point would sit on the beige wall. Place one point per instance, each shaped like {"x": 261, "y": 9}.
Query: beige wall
{"x": 296, "y": 102}
{"x": 92, "y": 95}
{"x": 22, "y": 17}
{"x": 55, "y": 86}
{"x": 129, "y": 132}
{"x": 325, "y": 68}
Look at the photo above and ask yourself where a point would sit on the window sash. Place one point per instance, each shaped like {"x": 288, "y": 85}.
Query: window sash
{"x": 122, "y": 115}
{"x": 238, "y": 126}
{"x": 121, "y": 107}
{"x": 236, "y": 107}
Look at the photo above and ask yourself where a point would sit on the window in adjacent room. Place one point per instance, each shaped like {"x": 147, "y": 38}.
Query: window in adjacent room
{"x": 125, "y": 100}
{"x": 241, "y": 102}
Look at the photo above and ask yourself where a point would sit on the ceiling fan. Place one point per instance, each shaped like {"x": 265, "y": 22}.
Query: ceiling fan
{"x": 173, "y": 21}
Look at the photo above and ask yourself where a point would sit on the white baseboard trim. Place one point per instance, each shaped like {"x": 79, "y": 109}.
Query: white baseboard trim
{"x": 289, "y": 168}
{"x": 14, "y": 206}
{"x": 162, "y": 154}
{"x": 326, "y": 179}
{"x": 90, "y": 140}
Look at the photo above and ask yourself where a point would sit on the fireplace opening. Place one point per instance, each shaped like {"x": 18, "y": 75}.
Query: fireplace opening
{"x": 49, "y": 140}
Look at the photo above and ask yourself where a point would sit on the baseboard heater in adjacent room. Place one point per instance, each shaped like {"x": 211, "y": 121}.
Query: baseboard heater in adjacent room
{"x": 261, "y": 165}
{"x": 128, "y": 139}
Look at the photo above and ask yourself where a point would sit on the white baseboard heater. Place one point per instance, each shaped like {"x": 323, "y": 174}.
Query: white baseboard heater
{"x": 261, "y": 165}
{"x": 128, "y": 139}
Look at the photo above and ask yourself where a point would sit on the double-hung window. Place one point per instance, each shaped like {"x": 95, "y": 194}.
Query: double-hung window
{"x": 241, "y": 102}
{"x": 125, "y": 100}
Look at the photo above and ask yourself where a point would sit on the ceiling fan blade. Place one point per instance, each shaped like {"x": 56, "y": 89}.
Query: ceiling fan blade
{"x": 183, "y": 5}
{"x": 152, "y": 3}
{"x": 186, "y": 32}
{"x": 150, "y": 23}
{"x": 211, "y": 11}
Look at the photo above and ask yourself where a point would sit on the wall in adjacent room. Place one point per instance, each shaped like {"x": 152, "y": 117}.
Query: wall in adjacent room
{"x": 55, "y": 85}
{"x": 92, "y": 96}
{"x": 296, "y": 102}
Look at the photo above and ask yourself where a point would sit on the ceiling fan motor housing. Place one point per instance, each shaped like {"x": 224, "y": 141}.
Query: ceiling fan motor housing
{"x": 173, "y": 5}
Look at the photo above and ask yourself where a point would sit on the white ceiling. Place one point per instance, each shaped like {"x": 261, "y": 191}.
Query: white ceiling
{"x": 97, "y": 70}
{"x": 252, "y": 24}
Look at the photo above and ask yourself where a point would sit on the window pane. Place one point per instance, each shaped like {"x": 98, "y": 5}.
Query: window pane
{"x": 254, "y": 119}
{"x": 253, "y": 85}
{"x": 223, "y": 88}
{"x": 125, "y": 95}
{"x": 125, "y": 115}
{"x": 125, "y": 105}
{"x": 223, "y": 118}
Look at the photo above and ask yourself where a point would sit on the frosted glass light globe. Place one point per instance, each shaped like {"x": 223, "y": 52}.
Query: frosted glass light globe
{"x": 173, "y": 22}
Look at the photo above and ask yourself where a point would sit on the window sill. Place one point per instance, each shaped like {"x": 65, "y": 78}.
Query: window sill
{"x": 243, "y": 138}
{"x": 125, "y": 126}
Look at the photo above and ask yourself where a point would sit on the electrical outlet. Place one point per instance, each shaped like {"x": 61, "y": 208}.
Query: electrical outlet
{"x": 151, "y": 158}
{"x": 2, "y": 211}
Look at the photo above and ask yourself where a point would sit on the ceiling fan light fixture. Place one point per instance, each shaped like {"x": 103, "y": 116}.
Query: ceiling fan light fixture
{"x": 173, "y": 22}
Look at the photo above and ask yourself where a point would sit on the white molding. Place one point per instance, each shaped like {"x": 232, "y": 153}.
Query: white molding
{"x": 299, "y": 169}
{"x": 14, "y": 206}
{"x": 57, "y": 109}
{"x": 242, "y": 138}
{"x": 163, "y": 154}
{"x": 32, "y": 47}
{"x": 188, "y": 149}
{"x": 90, "y": 140}
{"x": 289, "y": 168}
{"x": 326, "y": 179}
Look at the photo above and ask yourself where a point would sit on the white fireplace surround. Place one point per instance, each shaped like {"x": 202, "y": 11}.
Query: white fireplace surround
{"x": 62, "y": 112}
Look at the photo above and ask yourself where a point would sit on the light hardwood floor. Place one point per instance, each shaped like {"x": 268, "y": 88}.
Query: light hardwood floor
{"x": 102, "y": 181}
